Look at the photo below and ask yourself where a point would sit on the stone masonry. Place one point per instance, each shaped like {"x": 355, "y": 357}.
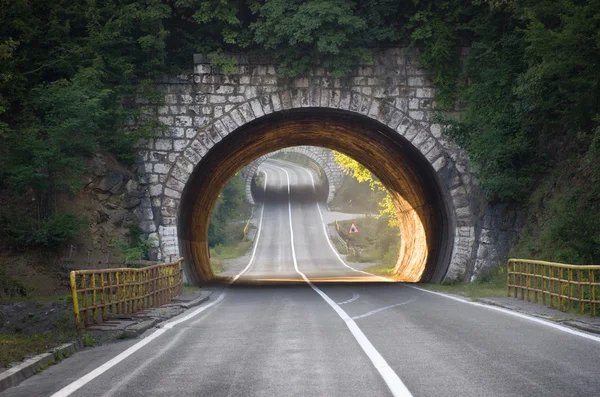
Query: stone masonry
{"x": 323, "y": 157}
{"x": 201, "y": 109}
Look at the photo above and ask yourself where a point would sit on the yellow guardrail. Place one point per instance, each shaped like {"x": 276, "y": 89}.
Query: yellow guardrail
{"x": 96, "y": 293}
{"x": 575, "y": 287}
{"x": 246, "y": 230}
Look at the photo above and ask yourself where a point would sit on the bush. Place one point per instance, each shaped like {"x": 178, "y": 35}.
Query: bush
{"x": 50, "y": 233}
{"x": 10, "y": 286}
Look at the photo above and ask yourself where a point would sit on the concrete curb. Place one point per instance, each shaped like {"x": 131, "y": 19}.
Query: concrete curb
{"x": 205, "y": 295}
{"x": 568, "y": 322}
{"x": 26, "y": 369}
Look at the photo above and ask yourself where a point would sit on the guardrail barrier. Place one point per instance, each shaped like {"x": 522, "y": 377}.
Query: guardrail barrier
{"x": 96, "y": 293}
{"x": 575, "y": 287}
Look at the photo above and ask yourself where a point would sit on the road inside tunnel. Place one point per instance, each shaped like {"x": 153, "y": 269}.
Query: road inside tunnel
{"x": 315, "y": 254}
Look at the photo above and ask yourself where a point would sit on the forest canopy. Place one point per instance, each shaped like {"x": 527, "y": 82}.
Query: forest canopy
{"x": 70, "y": 72}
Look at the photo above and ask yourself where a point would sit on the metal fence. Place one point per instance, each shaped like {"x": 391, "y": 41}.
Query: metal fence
{"x": 566, "y": 287}
{"x": 98, "y": 293}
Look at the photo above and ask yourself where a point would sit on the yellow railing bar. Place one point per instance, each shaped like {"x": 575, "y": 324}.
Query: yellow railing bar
{"x": 246, "y": 230}
{"x": 574, "y": 286}
{"x": 123, "y": 290}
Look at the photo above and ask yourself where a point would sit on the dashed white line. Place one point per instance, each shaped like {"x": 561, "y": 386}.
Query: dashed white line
{"x": 367, "y": 314}
{"x": 390, "y": 377}
{"x": 355, "y": 296}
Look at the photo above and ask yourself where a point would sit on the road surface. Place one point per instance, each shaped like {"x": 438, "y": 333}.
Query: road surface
{"x": 284, "y": 328}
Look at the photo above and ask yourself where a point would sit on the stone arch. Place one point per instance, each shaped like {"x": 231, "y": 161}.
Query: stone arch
{"x": 322, "y": 157}
{"x": 241, "y": 102}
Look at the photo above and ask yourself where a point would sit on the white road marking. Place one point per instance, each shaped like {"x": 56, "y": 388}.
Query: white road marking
{"x": 355, "y": 296}
{"x": 559, "y": 327}
{"x": 514, "y": 313}
{"x": 335, "y": 251}
{"x": 79, "y": 383}
{"x": 367, "y": 314}
{"x": 390, "y": 377}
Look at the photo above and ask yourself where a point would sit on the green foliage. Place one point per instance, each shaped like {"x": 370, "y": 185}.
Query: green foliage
{"x": 49, "y": 233}
{"x": 87, "y": 340}
{"x": 228, "y": 208}
{"x": 137, "y": 249}
{"x": 10, "y": 286}
{"x": 387, "y": 209}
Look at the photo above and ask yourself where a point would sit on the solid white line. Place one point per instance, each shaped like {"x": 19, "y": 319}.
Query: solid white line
{"x": 490, "y": 307}
{"x": 515, "y": 314}
{"x": 367, "y": 314}
{"x": 390, "y": 377}
{"x": 355, "y": 296}
{"x": 335, "y": 251}
{"x": 79, "y": 383}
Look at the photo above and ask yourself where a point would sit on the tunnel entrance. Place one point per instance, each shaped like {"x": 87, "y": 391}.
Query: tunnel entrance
{"x": 422, "y": 202}
{"x": 325, "y": 189}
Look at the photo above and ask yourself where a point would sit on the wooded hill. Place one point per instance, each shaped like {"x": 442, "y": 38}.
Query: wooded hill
{"x": 70, "y": 70}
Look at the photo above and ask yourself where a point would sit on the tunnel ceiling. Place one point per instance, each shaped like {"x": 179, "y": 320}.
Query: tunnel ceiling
{"x": 420, "y": 199}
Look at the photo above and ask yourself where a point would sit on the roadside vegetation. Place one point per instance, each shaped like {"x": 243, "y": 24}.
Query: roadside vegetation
{"x": 355, "y": 197}
{"x": 489, "y": 284}
{"x": 377, "y": 243}
{"x": 31, "y": 325}
{"x": 226, "y": 229}
{"x": 74, "y": 74}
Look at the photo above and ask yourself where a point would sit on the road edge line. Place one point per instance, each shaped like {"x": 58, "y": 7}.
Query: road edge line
{"x": 82, "y": 381}
{"x": 511, "y": 312}
{"x": 389, "y": 376}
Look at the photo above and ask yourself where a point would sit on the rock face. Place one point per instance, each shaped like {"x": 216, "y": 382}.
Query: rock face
{"x": 202, "y": 109}
{"x": 113, "y": 201}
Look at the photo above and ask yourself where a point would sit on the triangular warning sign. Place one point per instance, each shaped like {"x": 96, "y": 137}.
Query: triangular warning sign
{"x": 353, "y": 229}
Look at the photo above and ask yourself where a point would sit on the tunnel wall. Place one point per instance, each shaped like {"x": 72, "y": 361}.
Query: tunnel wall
{"x": 323, "y": 157}
{"x": 201, "y": 109}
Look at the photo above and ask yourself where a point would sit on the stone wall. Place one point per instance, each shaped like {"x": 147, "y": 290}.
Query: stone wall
{"x": 203, "y": 108}
{"x": 323, "y": 157}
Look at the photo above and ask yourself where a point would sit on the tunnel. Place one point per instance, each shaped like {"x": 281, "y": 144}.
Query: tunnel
{"x": 421, "y": 200}
{"x": 324, "y": 188}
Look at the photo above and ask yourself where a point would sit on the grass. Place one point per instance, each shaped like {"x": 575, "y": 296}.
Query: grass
{"x": 222, "y": 253}
{"x": 18, "y": 341}
{"x": 492, "y": 282}
{"x": 190, "y": 289}
{"x": 469, "y": 290}
{"x": 381, "y": 269}
{"x": 16, "y": 347}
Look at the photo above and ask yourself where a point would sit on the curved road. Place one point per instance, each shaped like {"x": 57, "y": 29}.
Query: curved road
{"x": 283, "y": 329}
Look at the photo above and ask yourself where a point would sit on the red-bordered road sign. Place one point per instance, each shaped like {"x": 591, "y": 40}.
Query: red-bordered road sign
{"x": 353, "y": 229}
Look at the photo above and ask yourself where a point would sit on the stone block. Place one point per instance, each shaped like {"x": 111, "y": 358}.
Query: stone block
{"x": 257, "y": 108}
{"x": 425, "y": 93}
{"x": 161, "y": 168}
{"x": 163, "y": 144}
{"x": 276, "y": 101}
{"x": 179, "y": 144}
{"x": 166, "y": 120}
{"x": 172, "y": 193}
{"x": 217, "y": 98}
{"x": 147, "y": 226}
{"x": 155, "y": 190}
{"x": 266, "y": 104}
{"x": 301, "y": 83}
{"x": 225, "y": 89}
{"x": 174, "y": 184}
{"x": 246, "y": 112}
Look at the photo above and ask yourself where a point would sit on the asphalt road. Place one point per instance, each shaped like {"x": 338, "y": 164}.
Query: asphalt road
{"x": 284, "y": 328}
